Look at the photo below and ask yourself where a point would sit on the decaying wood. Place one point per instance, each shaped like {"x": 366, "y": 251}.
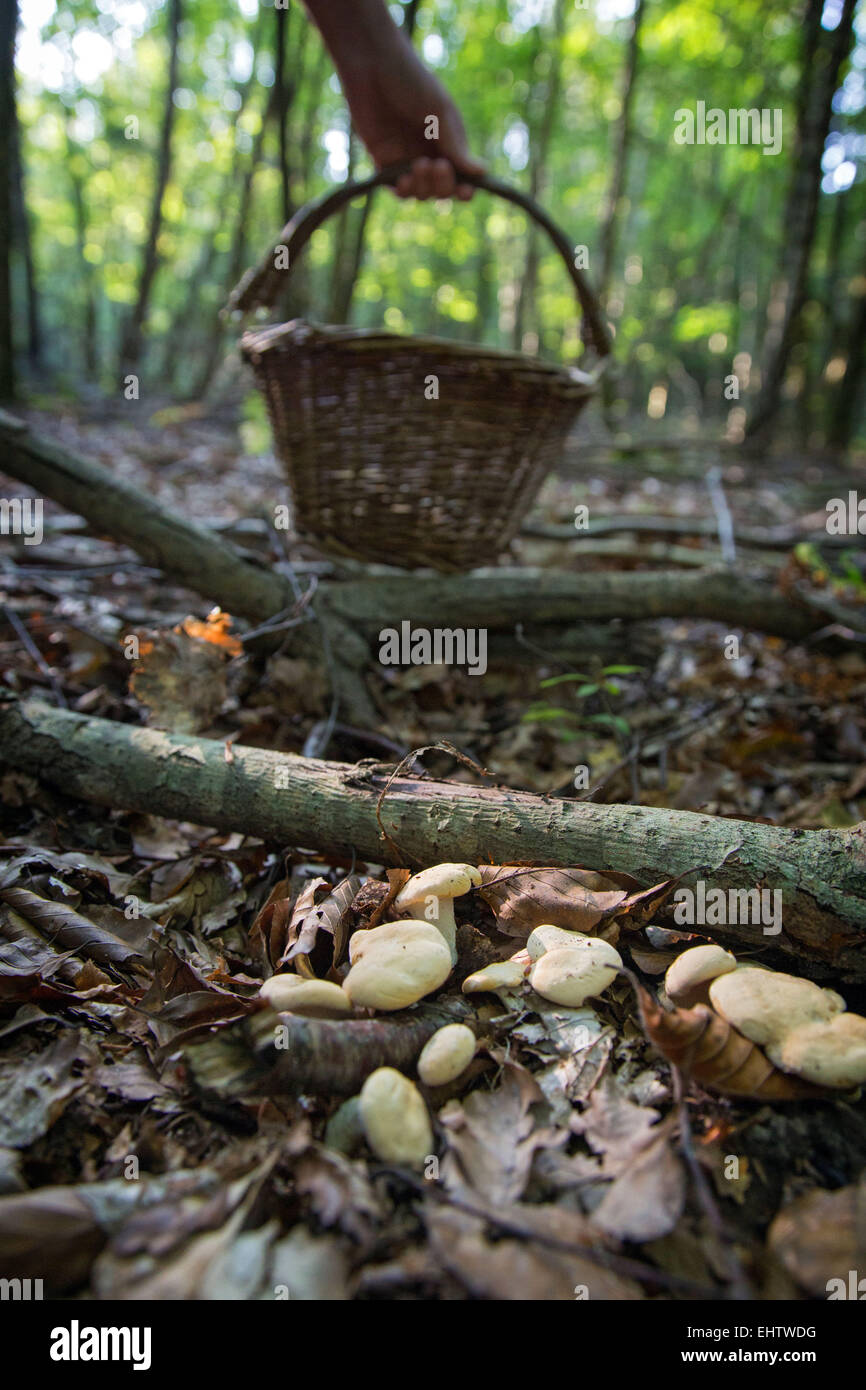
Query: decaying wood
{"x": 316, "y": 1056}
{"x": 335, "y": 808}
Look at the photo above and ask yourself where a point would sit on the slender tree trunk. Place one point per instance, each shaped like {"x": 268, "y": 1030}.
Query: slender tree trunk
{"x": 527, "y": 279}
{"x": 834, "y": 336}
{"x": 187, "y": 321}
{"x": 8, "y": 28}
{"x": 822, "y": 60}
{"x": 216, "y": 337}
{"x": 133, "y": 336}
{"x": 622, "y": 146}
{"x": 283, "y": 96}
{"x": 89, "y": 349}
{"x": 24, "y": 240}
{"x": 847, "y": 396}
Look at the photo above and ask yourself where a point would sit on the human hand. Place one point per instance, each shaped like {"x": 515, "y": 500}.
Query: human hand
{"x": 399, "y": 108}
{"x": 396, "y": 103}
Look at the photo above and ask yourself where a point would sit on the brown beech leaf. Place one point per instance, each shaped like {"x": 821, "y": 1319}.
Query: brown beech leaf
{"x": 577, "y": 899}
{"x": 312, "y": 920}
{"x": 707, "y": 1049}
{"x": 70, "y": 931}
{"x": 493, "y": 1137}
{"x": 820, "y": 1237}
{"x": 268, "y": 933}
{"x": 523, "y": 1270}
{"x": 36, "y": 1090}
{"x": 647, "y": 1199}
{"x": 180, "y": 677}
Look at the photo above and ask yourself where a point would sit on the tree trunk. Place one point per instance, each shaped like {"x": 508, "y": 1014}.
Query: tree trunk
{"x": 341, "y": 809}
{"x": 540, "y": 149}
{"x": 186, "y": 324}
{"x": 89, "y": 349}
{"x": 131, "y": 348}
{"x": 22, "y": 236}
{"x": 215, "y": 332}
{"x": 822, "y": 61}
{"x": 622, "y": 145}
{"x": 847, "y": 415}
{"x": 8, "y": 28}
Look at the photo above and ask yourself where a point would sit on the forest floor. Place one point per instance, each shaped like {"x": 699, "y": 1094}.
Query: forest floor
{"x": 561, "y": 1157}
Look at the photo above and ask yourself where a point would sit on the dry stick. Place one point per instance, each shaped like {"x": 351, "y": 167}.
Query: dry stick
{"x": 617, "y": 1264}
{"x": 332, "y": 807}
{"x": 739, "y": 1284}
{"x": 759, "y": 538}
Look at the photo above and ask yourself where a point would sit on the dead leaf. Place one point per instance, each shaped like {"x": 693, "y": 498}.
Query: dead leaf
{"x": 310, "y": 1268}
{"x": 647, "y": 1199}
{"x": 516, "y": 1270}
{"x": 319, "y": 927}
{"x": 493, "y": 1136}
{"x": 576, "y": 899}
{"x": 71, "y": 931}
{"x": 180, "y": 676}
{"x": 37, "y": 1090}
{"x": 821, "y": 1237}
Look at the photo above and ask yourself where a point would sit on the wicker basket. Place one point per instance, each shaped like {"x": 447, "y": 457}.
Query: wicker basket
{"x": 377, "y": 470}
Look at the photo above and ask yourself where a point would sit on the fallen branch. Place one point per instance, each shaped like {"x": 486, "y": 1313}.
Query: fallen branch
{"x": 757, "y": 537}
{"x": 495, "y": 599}
{"x": 332, "y": 807}
{"x": 115, "y": 508}
{"x": 315, "y": 1056}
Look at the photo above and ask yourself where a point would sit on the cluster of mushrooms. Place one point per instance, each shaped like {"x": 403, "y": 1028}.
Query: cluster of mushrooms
{"x": 802, "y": 1028}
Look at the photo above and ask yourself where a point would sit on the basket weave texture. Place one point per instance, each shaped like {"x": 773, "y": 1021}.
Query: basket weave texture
{"x": 378, "y": 471}
{"x": 381, "y": 467}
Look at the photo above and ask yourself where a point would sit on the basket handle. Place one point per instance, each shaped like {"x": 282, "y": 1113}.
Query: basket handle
{"x": 261, "y": 285}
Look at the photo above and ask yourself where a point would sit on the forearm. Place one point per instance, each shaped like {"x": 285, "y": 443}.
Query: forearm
{"x": 356, "y": 30}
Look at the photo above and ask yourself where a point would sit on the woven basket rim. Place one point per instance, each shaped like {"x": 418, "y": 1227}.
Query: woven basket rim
{"x": 272, "y": 337}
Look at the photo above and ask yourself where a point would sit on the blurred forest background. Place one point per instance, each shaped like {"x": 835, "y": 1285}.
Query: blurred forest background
{"x": 154, "y": 148}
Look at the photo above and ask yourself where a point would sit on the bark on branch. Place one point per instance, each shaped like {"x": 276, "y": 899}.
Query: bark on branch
{"x": 332, "y": 807}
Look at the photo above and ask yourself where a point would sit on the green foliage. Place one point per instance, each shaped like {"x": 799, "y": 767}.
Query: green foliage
{"x": 701, "y": 228}
{"x": 569, "y": 721}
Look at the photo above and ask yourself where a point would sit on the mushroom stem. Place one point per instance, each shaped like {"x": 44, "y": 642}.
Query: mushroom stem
{"x": 445, "y": 922}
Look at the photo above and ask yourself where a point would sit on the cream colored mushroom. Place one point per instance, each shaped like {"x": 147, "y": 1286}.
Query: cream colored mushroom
{"x": 500, "y": 974}
{"x": 570, "y": 975}
{"x": 368, "y": 936}
{"x": 829, "y": 1054}
{"x": 547, "y": 937}
{"x": 395, "y": 1119}
{"x": 429, "y": 897}
{"x": 446, "y": 1055}
{"x": 405, "y": 961}
{"x": 766, "y": 1005}
{"x": 315, "y": 998}
{"x": 688, "y": 979}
